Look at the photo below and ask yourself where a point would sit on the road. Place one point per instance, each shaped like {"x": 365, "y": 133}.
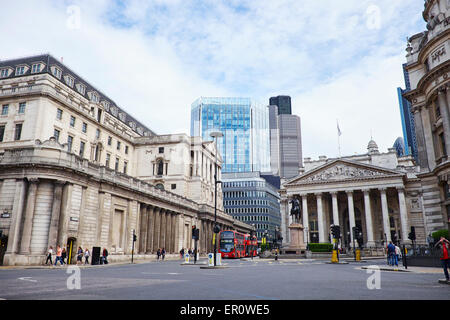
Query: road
{"x": 242, "y": 280}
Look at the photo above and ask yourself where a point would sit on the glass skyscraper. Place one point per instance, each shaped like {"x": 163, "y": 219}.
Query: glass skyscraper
{"x": 244, "y": 123}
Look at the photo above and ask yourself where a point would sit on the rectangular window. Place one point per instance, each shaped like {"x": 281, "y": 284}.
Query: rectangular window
{"x": 69, "y": 143}
{"x": 20, "y": 71}
{"x": 36, "y": 68}
{"x": 125, "y": 165}
{"x": 108, "y": 157}
{"x": 173, "y": 186}
{"x": 82, "y": 89}
{"x": 118, "y": 145}
{"x": 57, "y": 73}
{"x": 97, "y": 134}
{"x": 84, "y": 127}
{"x": 442, "y": 139}
{"x": 59, "y": 113}
{"x": 116, "y": 167}
{"x": 126, "y": 149}
{"x": 2, "y": 133}
{"x": 5, "y": 109}
{"x": 81, "y": 149}
{"x": 22, "y": 107}
{"x": 4, "y": 73}
{"x": 109, "y": 141}
{"x": 56, "y": 134}
{"x": 161, "y": 150}
{"x": 72, "y": 121}
{"x": 18, "y": 131}
{"x": 99, "y": 115}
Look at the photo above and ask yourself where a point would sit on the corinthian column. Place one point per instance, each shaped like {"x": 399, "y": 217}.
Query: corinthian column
{"x": 29, "y": 213}
{"x": 385, "y": 211}
{"x": 335, "y": 208}
{"x": 442, "y": 99}
{"x": 55, "y": 215}
{"x": 305, "y": 216}
{"x": 403, "y": 214}
{"x": 320, "y": 218}
{"x": 351, "y": 214}
{"x": 368, "y": 212}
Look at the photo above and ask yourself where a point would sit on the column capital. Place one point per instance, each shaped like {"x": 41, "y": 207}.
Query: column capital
{"x": 400, "y": 189}
{"x": 365, "y": 190}
{"x": 59, "y": 182}
{"x": 303, "y": 194}
{"x": 334, "y": 193}
{"x": 349, "y": 192}
{"x": 33, "y": 180}
{"x": 318, "y": 194}
{"x": 382, "y": 189}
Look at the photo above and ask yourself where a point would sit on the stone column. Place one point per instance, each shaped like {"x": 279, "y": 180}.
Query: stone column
{"x": 143, "y": 228}
{"x": 156, "y": 231}
{"x": 150, "y": 221}
{"x": 16, "y": 219}
{"x": 29, "y": 213}
{"x": 385, "y": 212}
{"x": 175, "y": 246}
{"x": 55, "y": 215}
{"x": 428, "y": 135}
{"x": 403, "y": 214}
{"x": 335, "y": 208}
{"x": 351, "y": 214}
{"x": 320, "y": 218}
{"x": 420, "y": 139}
{"x": 305, "y": 217}
{"x": 368, "y": 215}
{"x": 162, "y": 234}
{"x": 169, "y": 232}
{"x": 442, "y": 99}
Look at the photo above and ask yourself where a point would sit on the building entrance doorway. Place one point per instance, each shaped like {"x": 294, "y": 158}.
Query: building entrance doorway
{"x": 3, "y": 246}
{"x": 71, "y": 249}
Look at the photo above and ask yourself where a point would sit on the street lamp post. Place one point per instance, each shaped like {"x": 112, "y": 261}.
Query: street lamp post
{"x": 215, "y": 135}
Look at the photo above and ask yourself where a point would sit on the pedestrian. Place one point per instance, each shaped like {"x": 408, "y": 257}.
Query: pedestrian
{"x": 105, "y": 256}
{"x": 391, "y": 253}
{"x": 49, "y": 255}
{"x": 444, "y": 244}
{"x": 190, "y": 252}
{"x": 64, "y": 255}
{"x": 58, "y": 255}
{"x": 80, "y": 255}
{"x": 163, "y": 253}
{"x": 397, "y": 254}
{"x": 182, "y": 253}
{"x": 158, "y": 253}
{"x": 87, "y": 254}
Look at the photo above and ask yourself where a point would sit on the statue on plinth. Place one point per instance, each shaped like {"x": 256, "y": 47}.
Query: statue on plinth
{"x": 296, "y": 212}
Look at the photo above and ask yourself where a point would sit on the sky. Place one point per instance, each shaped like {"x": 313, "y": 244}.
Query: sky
{"x": 340, "y": 61}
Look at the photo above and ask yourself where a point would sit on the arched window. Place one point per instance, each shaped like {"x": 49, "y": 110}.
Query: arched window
{"x": 159, "y": 186}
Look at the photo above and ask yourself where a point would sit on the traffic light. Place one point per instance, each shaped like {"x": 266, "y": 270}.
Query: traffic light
{"x": 195, "y": 233}
{"x": 336, "y": 231}
{"x": 216, "y": 229}
{"x": 412, "y": 234}
{"x": 134, "y": 238}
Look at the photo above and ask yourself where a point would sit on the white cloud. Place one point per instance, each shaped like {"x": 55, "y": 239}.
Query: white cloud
{"x": 154, "y": 58}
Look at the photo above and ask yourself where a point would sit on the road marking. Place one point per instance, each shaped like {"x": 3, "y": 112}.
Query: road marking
{"x": 173, "y": 273}
{"x": 27, "y": 279}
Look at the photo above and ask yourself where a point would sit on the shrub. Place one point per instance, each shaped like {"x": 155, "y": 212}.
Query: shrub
{"x": 321, "y": 247}
{"x": 440, "y": 233}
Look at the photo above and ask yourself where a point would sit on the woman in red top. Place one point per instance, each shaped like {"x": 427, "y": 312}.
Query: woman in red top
{"x": 445, "y": 261}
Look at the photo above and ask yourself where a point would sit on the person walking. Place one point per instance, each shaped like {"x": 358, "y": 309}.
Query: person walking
{"x": 80, "y": 255}
{"x": 391, "y": 253}
{"x": 64, "y": 255}
{"x": 87, "y": 254}
{"x": 444, "y": 244}
{"x": 105, "y": 256}
{"x": 163, "y": 253}
{"x": 182, "y": 253}
{"x": 158, "y": 253}
{"x": 397, "y": 255}
{"x": 190, "y": 252}
{"x": 49, "y": 255}
{"x": 58, "y": 255}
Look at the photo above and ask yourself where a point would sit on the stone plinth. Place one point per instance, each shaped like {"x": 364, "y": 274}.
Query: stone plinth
{"x": 297, "y": 244}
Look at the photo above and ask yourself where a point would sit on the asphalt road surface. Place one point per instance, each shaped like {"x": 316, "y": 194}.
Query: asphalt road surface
{"x": 242, "y": 280}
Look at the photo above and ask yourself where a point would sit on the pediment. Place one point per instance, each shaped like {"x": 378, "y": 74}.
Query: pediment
{"x": 342, "y": 170}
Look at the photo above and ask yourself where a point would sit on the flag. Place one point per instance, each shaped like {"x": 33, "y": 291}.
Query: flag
{"x": 339, "y": 130}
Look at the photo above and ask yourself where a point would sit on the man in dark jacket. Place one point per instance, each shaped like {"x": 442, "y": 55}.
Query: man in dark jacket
{"x": 444, "y": 244}
{"x": 391, "y": 253}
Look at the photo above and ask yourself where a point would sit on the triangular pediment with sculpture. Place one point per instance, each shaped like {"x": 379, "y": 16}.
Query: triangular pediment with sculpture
{"x": 342, "y": 170}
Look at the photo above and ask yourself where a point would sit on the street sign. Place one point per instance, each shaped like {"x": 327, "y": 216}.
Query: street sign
{"x": 210, "y": 259}
{"x": 186, "y": 258}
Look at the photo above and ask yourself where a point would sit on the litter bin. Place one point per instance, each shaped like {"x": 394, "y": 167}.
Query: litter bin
{"x": 95, "y": 256}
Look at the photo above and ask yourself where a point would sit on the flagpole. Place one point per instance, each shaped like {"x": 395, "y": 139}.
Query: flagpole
{"x": 339, "y": 140}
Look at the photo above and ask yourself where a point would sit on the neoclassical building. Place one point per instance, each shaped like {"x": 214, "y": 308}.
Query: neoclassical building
{"x": 378, "y": 192}
{"x": 77, "y": 170}
{"x": 428, "y": 67}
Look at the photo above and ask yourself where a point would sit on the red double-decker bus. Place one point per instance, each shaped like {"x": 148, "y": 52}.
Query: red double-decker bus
{"x": 232, "y": 244}
{"x": 252, "y": 246}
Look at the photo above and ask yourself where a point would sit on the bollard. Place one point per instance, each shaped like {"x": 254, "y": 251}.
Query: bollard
{"x": 334, "y": 257}
{"x": 358, "y": 255}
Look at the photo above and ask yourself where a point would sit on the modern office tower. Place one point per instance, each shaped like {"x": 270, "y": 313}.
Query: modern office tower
{"x": 253, "y": 198}
{"x": 283, "y": 103}
{"x": 408, "y": 125}
{"x": 245, "y": 126}
{"x": 285, "y": 143}
{"x": 399, "y": 146}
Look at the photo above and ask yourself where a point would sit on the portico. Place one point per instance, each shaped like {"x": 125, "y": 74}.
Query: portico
{"x": 348, "y": 193}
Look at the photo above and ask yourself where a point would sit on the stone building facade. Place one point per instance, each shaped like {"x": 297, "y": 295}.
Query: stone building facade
{"x": 74, "y": 171}
{"x": 428, "y": 66}
{"x": 379, "y": 192}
